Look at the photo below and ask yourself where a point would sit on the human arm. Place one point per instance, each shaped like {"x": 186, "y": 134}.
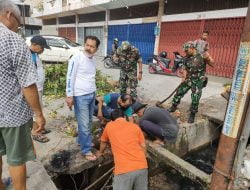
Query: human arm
{"x": 142, "y": 141}
{"x": 31, "y": 95}
{"x": 184, "y": 75}
{"x": 99, "y": 106}
{"x": 104, "y": 142}
{"x": 103, "y": 146}
{"x": 70, "y": 82}
{"x": 140, "y": 69}
{"x": 139, "y": 62}
{"x": 115, "y": 56}
{"x": 208, "y": 59}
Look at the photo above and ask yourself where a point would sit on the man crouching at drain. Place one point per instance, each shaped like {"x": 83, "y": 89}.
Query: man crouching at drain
{"x": 157, "y": 123}
{"x": 129, "y": 150}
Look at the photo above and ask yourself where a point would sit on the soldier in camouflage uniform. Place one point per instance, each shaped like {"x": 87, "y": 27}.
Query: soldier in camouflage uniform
{"x": 195, "y": 79}
{"x": 129, "y": 57}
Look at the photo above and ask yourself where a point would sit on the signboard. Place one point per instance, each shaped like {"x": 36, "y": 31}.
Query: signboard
{"x": 239, "y": 90}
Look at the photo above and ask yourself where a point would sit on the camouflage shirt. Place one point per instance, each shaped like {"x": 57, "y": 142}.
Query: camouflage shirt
{"x": 195, "y": 66}
{"x": 129, "y": 59}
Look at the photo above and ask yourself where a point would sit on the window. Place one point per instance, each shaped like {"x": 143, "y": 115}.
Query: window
{"x": 70, "y": 43}
{"x": 55, "y": 43}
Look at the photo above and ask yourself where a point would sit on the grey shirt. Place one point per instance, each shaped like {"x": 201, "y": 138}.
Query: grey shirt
{"x": 16, "y": 72}
{"x": 162, "y": 118}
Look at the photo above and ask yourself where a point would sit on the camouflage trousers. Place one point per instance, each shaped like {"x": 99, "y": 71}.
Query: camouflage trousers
{"x": 196, "y": 86}
{"x": 128, "y": 79}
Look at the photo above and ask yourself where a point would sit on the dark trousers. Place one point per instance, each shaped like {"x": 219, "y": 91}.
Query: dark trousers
{"x": 151, "y": 129}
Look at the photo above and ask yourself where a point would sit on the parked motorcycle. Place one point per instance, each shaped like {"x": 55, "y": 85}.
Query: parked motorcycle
{"x": 162, "y": 65}
{"x": 110, "y": 63}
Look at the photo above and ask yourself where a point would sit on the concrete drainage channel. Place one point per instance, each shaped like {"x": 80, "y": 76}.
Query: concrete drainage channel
{"x": 70, "y": 171}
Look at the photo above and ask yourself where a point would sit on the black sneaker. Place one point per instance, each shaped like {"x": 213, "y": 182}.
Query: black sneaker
{"x": 173, "y": 108}
{"x": 191, "y": 117}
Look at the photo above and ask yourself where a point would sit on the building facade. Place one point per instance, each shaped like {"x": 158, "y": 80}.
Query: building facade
{"x": 150, "y": 25}
{"x": 31, "y": 26}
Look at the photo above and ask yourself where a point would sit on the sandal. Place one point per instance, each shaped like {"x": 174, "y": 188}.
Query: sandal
{"x": 40, "y": 138}
{"x": 90, "y": 156}
{"x": 45, "y": 131}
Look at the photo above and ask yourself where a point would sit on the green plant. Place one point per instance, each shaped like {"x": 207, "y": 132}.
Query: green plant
{"x": 55, "y": 81}
{"x": 102, "y": 84}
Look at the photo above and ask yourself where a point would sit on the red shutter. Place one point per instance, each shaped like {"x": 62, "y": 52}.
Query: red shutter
{"x": 224, "y": 39}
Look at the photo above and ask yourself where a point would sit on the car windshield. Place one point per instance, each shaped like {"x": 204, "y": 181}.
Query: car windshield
{"x": 70, "y": 43}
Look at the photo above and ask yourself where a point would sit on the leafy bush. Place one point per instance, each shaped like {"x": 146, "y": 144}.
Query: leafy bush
{"x": 55, "y": 81}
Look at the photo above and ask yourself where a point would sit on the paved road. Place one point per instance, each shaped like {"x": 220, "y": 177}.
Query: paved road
{"x": 157, "y": 87}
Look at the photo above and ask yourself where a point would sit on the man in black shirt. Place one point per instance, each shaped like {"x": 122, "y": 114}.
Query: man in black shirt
{"x": 157, "y": 122}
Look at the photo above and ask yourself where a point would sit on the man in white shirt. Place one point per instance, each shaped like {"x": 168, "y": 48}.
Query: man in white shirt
{"x": 80, "y": 91}
{"x": 38, "y": 43}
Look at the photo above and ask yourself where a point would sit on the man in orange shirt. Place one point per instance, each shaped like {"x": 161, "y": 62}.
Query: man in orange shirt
{"x": 129, "y": 150}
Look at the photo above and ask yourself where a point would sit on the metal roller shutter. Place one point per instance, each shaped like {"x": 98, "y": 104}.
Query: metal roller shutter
{"x": 140, "y": 35}
{"x": 224, "y": 40}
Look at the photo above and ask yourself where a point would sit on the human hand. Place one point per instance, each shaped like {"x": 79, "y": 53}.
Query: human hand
{"x": 70, "y": 102}
{"x": 100, "y": 115}
{"x": 40, "y": 120}
{"x": 139, "y": 76}
{"x": 98, "y": 154}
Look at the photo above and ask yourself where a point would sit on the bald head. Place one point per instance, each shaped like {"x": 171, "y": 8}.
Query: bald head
{"x": 10, "y": 15}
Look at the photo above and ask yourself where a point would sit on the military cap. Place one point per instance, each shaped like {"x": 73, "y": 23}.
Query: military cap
{"x": 189, "y": 44}
{"x": 125, "y": 45}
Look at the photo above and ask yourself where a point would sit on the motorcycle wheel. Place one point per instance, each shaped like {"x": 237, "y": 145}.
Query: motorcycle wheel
{"x": 179, "y": 73}
{"x": 108, "y": 63}
{"x": 151, "y": 70}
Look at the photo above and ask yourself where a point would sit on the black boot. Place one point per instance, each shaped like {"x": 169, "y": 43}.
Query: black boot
{"x": 191, "y": 117}
{"x": 173, "y": 108}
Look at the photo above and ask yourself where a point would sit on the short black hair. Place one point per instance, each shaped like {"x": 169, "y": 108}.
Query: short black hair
{"x": 93, "y": 38}
{"x": 125, "y": 97}
{"x": 116, "y": 114}
{"x": 205, "y": 31}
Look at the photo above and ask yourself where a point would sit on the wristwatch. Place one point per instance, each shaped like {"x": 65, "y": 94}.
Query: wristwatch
{"x": 140, "y": 72}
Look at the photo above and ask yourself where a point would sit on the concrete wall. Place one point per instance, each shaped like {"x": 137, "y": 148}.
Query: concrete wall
{"x": 49, "y": 30}
{"x": 194, "y": 136}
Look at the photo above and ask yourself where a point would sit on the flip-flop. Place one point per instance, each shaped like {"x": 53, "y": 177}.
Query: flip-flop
{"x": 45, "y": 131}
{"x": 90, "y": 156}
{"x": 40, "y": 138}
{"x": 7, "y": 181}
